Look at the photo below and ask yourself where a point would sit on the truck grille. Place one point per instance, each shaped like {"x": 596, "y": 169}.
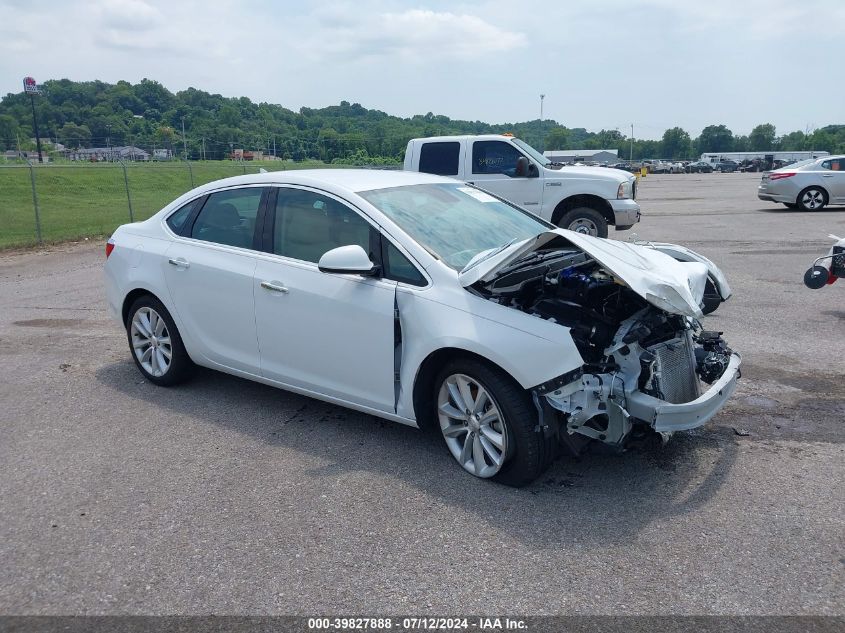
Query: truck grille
{"x": 674, "y": 370}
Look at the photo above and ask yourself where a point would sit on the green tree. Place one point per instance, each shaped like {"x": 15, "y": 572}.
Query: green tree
{"x": 762, "y": 138}
{"x": 793, "y": 142}
{"x": 8, "y": 131}
{"x": 675, "y": 143}
{"x": 558, "y": 138}
{"x": 74, "y": 135}
{"x": 715, "y": 138}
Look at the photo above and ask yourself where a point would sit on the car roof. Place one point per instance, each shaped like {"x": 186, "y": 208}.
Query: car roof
{"x": 350, "y": 180}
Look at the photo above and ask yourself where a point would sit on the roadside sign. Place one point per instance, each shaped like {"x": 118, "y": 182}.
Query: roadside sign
{"x": 30, "y": 86}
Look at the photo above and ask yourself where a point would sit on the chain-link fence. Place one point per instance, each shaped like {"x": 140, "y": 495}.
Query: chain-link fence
{"x": 43, "y": 203}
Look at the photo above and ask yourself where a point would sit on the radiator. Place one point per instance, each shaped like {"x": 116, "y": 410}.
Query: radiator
{"x": 674, "y": 370}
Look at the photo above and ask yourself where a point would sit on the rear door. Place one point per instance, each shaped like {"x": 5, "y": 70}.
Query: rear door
{"x": 491, "y": 165}
{"x": 833, "y": 178}
{"x": 209, "y": 271}
{"x": 327, "y": 333}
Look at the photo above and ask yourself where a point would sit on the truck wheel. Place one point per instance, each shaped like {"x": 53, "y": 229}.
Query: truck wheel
{"x": 584, "y": 220}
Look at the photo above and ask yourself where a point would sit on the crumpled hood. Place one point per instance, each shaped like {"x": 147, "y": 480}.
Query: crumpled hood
{"x": 673, "y": 286}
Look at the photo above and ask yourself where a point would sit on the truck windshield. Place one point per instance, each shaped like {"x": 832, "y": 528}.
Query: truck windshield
{"x": 533, "y": 153}
{"x": 455, "y": 222}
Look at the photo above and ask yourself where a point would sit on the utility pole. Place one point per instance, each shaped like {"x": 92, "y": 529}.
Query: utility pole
{"x": 203, "y": 148}
{"x": 541, "y": 106}
{"x": 631, "y": 157}
{"x": 108, "y": 141}
{"x": 184, "y": 140}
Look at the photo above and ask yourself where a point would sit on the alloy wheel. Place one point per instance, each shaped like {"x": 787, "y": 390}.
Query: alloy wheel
{"x": 812, "y": 199}
{"x": 151, "y": 341}
{"x": 472, "y": 425}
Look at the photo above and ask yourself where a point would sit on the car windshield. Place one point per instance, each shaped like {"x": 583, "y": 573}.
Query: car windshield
{"x": 533, "y": 153}
{"x": 455, "y": 222}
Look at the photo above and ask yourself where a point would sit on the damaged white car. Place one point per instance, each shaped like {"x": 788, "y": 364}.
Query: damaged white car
{"x": 425, "y": 301}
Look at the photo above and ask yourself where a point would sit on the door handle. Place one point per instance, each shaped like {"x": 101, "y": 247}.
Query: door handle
{"x": 275, "y": 286}
{"x": 181, "y": 262}
{"x": 827, "y": 175}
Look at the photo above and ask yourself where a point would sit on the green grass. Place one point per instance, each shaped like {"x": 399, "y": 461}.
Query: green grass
{"x": 80, "y": 200}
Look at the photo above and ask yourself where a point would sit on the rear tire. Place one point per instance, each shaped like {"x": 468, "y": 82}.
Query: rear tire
{"x": 155, "y": 343}
{"x": 712, "y": 298}
{"x": 525, "y": 450}
{"x": 584, "y": 220}
{"x": 812, "y": 199}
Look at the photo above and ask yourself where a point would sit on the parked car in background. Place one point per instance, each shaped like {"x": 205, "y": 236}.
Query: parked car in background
{"x": 699, "y": 167}
{"x": 425, "y": 301}
{"x": 676, "y": 168}
{"x": 808, "y": 185}
{"x": 726, "y": 166}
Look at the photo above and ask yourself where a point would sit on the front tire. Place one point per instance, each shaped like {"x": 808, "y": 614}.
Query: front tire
{"x": 812, "y": 199}
{"x": 584, "y": 220}
{"x": 490, "y": 424}
{"x": 155, "y": 343}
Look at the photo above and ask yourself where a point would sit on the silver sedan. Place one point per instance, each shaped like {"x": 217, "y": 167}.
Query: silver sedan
{"x": 808, "y": 185}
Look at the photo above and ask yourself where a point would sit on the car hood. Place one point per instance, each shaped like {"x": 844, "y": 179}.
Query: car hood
{"x": 673, "y": 286}
{"x": 590, "y": 172}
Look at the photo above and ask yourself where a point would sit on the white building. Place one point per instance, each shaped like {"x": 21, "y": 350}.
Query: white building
{"x": 582, "y": 155}
{"x": 715, "y": 157}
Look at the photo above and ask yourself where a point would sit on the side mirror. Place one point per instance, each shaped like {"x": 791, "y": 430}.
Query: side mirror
{"x": 347, "y": 260}
{"x": 533, "y": 172}
{"x": 521, "y": 167}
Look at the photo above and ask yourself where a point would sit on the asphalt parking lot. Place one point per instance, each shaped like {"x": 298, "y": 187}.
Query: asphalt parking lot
{"x": 228, "y": 497}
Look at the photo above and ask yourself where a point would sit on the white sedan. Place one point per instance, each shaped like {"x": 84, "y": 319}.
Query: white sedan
{"x": 425, "y": 301}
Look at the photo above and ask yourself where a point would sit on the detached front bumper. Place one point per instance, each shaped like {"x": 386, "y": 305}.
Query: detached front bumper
{"x": 626, "y": 212}
{"x": 666, "y": 417}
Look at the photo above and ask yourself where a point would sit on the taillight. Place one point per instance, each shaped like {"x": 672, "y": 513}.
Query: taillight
{"x": 109, "y": 248}
{"x": 781, "y": 175}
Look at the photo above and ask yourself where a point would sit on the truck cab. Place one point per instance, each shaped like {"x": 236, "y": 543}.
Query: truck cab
{"x": 582, "y": 199}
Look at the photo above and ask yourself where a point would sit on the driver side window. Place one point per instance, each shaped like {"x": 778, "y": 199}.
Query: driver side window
{"x": 307, "y": 225}
{"x": 494, "y": 157}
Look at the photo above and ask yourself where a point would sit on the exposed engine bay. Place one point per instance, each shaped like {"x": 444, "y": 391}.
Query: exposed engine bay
{"x": 636, "y": 356}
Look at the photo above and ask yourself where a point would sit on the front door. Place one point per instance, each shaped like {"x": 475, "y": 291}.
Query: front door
{"x": 492, "y": 166}
{"x": 327, "y": 333}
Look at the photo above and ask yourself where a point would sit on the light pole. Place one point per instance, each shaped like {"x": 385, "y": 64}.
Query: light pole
{"x": 541, "y": 106}
{"x": 184, "y": 140}
{"x": 631, "y": 155}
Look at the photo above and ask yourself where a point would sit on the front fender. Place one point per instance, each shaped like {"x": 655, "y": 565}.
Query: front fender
{"x": 684, "y": 254}
{"x": 529, "y": 349}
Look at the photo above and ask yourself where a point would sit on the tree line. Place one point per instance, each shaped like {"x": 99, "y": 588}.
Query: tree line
{"x": 147, "y": 115}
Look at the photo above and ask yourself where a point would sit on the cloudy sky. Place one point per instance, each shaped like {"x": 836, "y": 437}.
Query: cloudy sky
{"x": 601, "y": 64}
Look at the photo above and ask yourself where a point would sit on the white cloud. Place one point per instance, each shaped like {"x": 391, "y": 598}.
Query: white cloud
{"x": 415, "y": 35}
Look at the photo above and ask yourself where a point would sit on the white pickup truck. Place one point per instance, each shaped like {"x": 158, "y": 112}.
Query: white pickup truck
{"x": 582, "y": 199}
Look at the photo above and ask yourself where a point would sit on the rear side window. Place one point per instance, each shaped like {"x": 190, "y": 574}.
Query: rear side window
{"x": 176, "y": 221}
{"x": 494, "y": 157}
{"x": 833, "y": 165}
{"x": 440, "y": 158}
{"x": 229, "y": 217}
